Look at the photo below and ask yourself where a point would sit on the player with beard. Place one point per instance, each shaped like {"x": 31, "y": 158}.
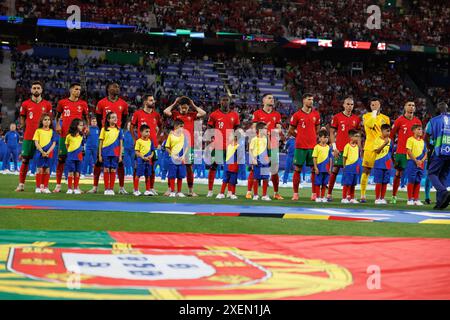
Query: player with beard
{"x": 224, "y": 121}
{"x": 272, "y": 119}
{"x": 402, "y": 126}
{"x": 111, "y": 103}
{"x": 150, "y": 117}
{"x": 188, "y": 113}
{"x": 67, "y": 110}
{"x": 341, "y": 123}
{"x": 304, "y": 125}
{"x": 31, "y": 111}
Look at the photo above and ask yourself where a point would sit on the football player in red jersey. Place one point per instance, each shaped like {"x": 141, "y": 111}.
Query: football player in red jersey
{"x": 67, "y": 110}
{"x": 304, "y": 125}
{"x": 341, "y": 123}
{"x": 272, "y": 119}
{"x": 31, "y": 111}
{"x": 188, "y": 117}
{"x": 402, "y": 126}
{"x": 150, "y": 117}
{"x": 224, "y": 121}
{"x": 111, "y": 103}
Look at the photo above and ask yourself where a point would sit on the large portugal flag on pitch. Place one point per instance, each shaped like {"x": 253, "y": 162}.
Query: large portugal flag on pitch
{"x": 121, "y": 265}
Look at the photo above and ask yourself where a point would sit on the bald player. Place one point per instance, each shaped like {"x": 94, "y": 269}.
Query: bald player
{"x": 225, "y": 121}
{"x": 372, "y": 126}
{"x": 341, "y": 124}
{"x": 111, "y": 103}
{"x": 272, "y": 119}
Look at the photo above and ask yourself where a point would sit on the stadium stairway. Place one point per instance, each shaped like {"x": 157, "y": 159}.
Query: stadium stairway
{"x": 8, "y": 86}
{"x": 409, "y": 82}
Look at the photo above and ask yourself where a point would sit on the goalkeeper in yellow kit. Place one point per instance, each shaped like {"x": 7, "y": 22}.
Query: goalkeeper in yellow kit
{"x": 372, "y": 126}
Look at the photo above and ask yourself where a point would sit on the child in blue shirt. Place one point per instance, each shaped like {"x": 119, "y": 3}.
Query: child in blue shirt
{"x": 91, "y": 148}
{"x": 128, "y": 145}
{"x": 290, "y": 148}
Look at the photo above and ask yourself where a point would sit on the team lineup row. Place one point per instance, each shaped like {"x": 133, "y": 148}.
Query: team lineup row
{"x": 325, "y": 152}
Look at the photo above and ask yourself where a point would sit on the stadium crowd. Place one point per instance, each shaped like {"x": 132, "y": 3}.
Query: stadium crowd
{"x": 413, "y": 22}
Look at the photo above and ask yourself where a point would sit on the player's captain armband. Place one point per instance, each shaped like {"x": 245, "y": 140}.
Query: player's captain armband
{"x": 334, "y": 146}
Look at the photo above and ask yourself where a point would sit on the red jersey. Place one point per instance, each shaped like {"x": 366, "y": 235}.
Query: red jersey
{"x": 343, "y": 124}
{"x": 32, "y": 112}
{"x": 223, "y": 122}
{"x": 271, "y": 119}
{"x": 71, "y": 110}
{"x": 105, "y": 106}
{"x": 151, "y": 119}
{"x": 403, "y": 126}
{"x": 305, "y": 123}
{"x": 188, "y": 120}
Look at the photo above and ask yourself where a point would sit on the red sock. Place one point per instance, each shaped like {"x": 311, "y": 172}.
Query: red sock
{"x": 179, "y": 184}
{"x": 331, "y": 183}
{"x": 276, "y": 182}
{"x": 76, "y": 181}
{"x": 232, "y": 188}
{"x": 344, "y": 192}
{"x": 46, "y": 179}
{"x": 147, "y": 183}
{"x": 378, "y": 191}
{"x": 383, "y": 190}
{"x": 70, "y": 182}
{"x": 97, "y": 172}
{"x": 250, "y": 181}
{"x": 322, "y": 193}
{"x": 172, "y": 184}
{"x": 352, "y": 192}
{"x": 416, "y": 191}
{"x": 189, "y": 176}
{"x": 106, "y": 179}
{"x": 38, "y": 180}
{"x": 296, "y": 181}
{"x": 313, "y": 178}
{"x": 410, "y": 189}
{"x": 23, "y": 172}
{"x": 121, "y": 175}
{"x": 136, "y": 183}
{"x": 255, "y": 187}
{"x": 152, "y": 180}
{"x": 265, "y": 185}
{"x": 222, "y": 189}
{"x": 59, "y": 172}
{"x": 112, "y": 179}
{"x": 211, "y": 177}
{"x": 395, "y": 185}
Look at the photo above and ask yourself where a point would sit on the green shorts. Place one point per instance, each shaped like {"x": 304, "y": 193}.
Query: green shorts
{"x": 28, "y": 148}
{"x": 400, "y": 161}
{"x": 62, "y": 147}
{"x": 339, "y": 160}
{"x": 303, "y": 155}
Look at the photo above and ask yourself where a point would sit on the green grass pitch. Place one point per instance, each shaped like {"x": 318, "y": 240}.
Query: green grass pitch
{"x": 123, "y": 221}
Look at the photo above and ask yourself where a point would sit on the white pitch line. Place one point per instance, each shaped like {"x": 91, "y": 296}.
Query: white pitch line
{"x": 173, "y": 212}
{"x": 328, "y": 211}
